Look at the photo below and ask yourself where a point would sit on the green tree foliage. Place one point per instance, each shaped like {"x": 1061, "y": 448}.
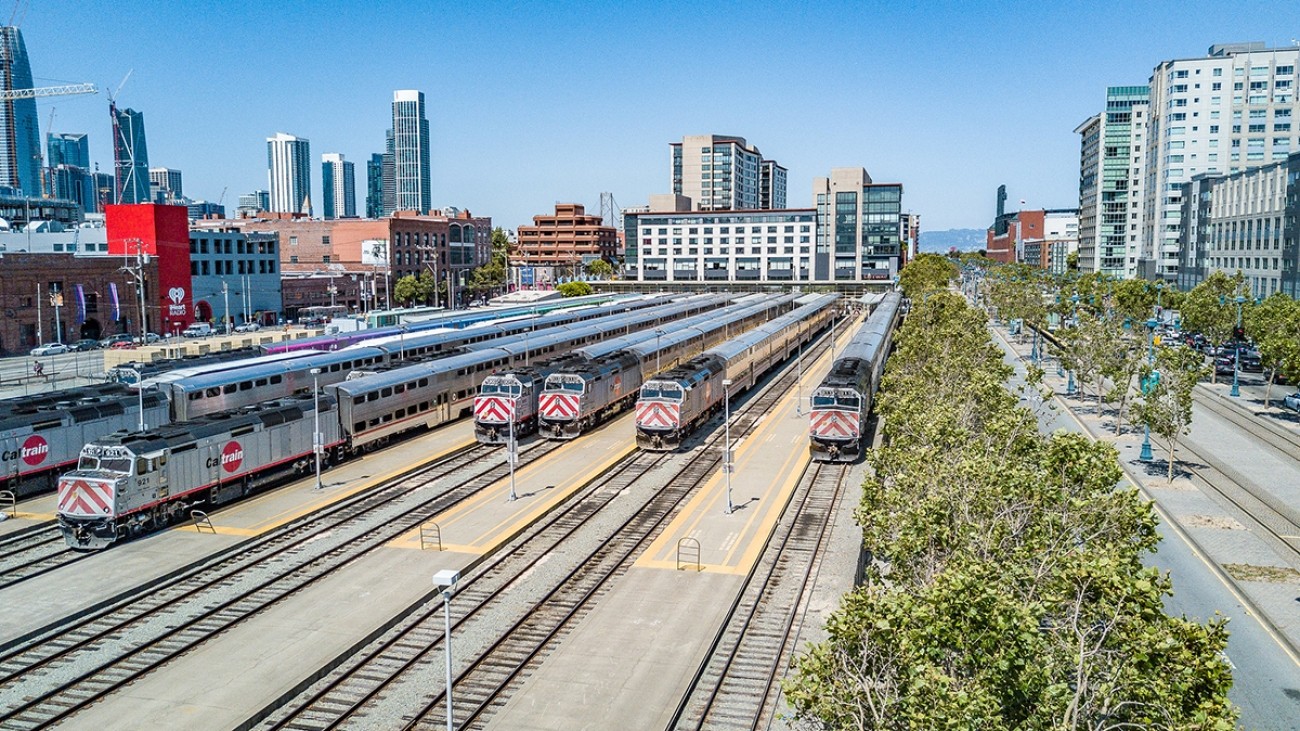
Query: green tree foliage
{"x": 1006, "y": 587}
{"x": 600, "y": 269}
{"x": 1274, "y": 325}
{"x": 574, "y": 289}
{"x": 1210, "y": 310}
{"x": 492, "y": 276}
{"x": 924, "y": 274}
{"x": 411, "y": 290}
{"x": 1166, "y": 402}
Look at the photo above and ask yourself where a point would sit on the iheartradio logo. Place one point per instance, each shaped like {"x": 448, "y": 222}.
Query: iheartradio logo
{"x": 35, "y": 450}
{"x": 176, "y": 294}
{"x": 232, "y": 456}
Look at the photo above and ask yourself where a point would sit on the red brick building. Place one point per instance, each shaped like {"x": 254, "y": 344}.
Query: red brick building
{"x": 568, "y": 238}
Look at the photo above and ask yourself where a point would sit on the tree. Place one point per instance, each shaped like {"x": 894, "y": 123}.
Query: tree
{"x": 1165, "y": 406}
{"x": 1274, "y": 325}
{"x": 1089, "y": 349}
{"x": 493, "y": 275}
{"x": 924, "y": 274}
{"x": 574, "y": 289}
{"x": 1072, "y": 261}
{"x": 407, "y": 290}
{"x": 1210, "y": 308}
{"x": 600, "y": 269}
{"x": 1120, "y": 367}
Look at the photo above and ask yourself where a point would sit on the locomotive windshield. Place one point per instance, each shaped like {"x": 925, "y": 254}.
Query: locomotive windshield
{"x": 668, "y": 391}
{"x": 110, "y": 464}
{"x": 569, "y": 383}
{"x": 831, "y": 399}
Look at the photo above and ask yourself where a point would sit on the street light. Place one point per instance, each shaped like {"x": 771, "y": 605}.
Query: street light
{"x": 1069, "y": 387}
{"x": 1146, "y": 454}
{"x": 1236, "y": 351}
{"x": 316, "y": 438}
{"x": 401, "y": 342}
{"x": 512, "y": 453}
{"x": 658, "y": 333}
{"x": 139, "y": 389}
{"x": 798, "y": 404}
{"x": 446, "y": 581}
{"x": 727, "y": 466}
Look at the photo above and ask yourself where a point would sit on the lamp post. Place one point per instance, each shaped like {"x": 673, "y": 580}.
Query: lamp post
{"x": 1146, "y": 454}
{"x": 316, "y": 438}
{"x": 401, "y": 342}
{"x": 512, "y": 454}
{"x": 446, "y": 581}
{"x": 658, "y": 333}
{"x": 1236, "y": 351}
{"x": 527, "y": 350}
{"x": 139, "y": 389}
{"x": 798, "y": 404}
{"x": 727, "y": 466}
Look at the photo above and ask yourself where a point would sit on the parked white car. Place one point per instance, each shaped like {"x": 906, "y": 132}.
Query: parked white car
{"x": 1292, "y": 402}
{"x": 50, "y": 349}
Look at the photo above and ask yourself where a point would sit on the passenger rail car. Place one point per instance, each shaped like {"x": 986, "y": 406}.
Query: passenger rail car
{"x": 282, "y": 375}
{"x": 461, "y": 320}
{"x": 842, "y": 402}
{"x": 40, "y": 435}
{"x": 128, "y": 483}
{"x": 672, "y": 404}
{"x": 607, "y": 378}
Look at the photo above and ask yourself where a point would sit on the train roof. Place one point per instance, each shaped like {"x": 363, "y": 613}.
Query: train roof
{"x": 39, "y": 400}
{"x": 751, "y": 338}
{"x": 179, "y": 374}
{"x": 613, "y": 345}
{"x": 76, "y": 406}
{"x": 405, "y": 374}
{"x": 648, "y": 347}
{"x": 862, "y": 348}
{"x": 180, "y": 433}
{"x": 314, "y": 359}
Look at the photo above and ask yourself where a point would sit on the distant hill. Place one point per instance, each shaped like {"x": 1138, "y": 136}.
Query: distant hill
{"x": 964, "y": 239}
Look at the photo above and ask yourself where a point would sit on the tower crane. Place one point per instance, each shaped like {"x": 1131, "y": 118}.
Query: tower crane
{"x": 44, "y": 91}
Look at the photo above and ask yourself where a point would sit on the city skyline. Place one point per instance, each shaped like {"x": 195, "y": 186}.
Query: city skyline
{"x": 949, "y": 101}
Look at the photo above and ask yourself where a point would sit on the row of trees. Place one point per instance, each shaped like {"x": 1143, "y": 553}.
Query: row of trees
{"x": 1006, "y": 587}
{"x": 485, "y": 280}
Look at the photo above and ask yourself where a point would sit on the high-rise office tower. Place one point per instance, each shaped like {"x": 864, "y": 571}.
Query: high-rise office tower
{"x": 410, "y": 152}
{"x": 251, "y": 203}
{"x": 1233, "y": 109}
{"x": 1111, "y": 158}
{"x": 858, "y": 231}
{"x": 720, "y": 173}
{"x": 388, "y": 175}
{"x": 288, "y": 162}
{"x": 375, "y": 186}
{"x": 20, "y": 149}
{"x": 338, "y": 186}
{"x": 167, "y": 183}
{"x": 130, "y": 155}
{"x": 67, "y": 148}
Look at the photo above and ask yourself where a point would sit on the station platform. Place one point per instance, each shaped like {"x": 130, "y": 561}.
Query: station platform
{"x": 630, "y": 660}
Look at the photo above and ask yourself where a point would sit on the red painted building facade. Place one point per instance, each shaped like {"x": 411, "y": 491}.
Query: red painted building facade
{"x": 161, "y": 233}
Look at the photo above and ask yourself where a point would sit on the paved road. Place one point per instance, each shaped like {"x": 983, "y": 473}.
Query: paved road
{"x": 1266, "y": 680}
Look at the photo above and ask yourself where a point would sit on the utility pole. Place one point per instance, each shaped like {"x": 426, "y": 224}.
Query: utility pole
{"x": 225, "y": 294}
{"x": 137, "y": 272}
{"x": 40, "y": 336}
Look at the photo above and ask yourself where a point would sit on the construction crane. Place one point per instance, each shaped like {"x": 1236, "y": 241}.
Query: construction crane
{"x": 64, "y": 90}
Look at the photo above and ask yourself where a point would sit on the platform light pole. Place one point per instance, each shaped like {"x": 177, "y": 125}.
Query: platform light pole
{"x": 727, "y": 465}
{"x": 316, "y": 436}
{"x": 658, "y": 334}
{"x": 139, "y": 389}
{"x": 446, "y": 581}
{"x": 798, "y": 403}
{"x": 1146, "y": 454}
{"x": 512, "y": 450}
{"x": 1236, "y": 351}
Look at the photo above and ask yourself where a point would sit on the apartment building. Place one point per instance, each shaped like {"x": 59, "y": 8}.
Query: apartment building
{"x": 569, "y": 238}
{"x": 1111, "y": 198}
{"x": 725, "y": 173}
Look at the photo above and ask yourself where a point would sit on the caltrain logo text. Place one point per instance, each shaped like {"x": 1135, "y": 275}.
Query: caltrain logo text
{"x": 33, "y": 452}
{"x": 232, "y": 456}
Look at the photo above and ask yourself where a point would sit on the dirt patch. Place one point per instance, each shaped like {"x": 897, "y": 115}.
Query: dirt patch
{"x": 1274, "y": 574}
{"x": 1222, "y": 522}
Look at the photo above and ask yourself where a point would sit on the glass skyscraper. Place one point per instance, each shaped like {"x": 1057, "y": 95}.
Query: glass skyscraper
{"x": 288, "y": 162}
{"x": 68, "y": 149}
{"x": 131, "y": 156}
{"x": 20, "y": 155}
{"x": 375, "y": 186}
{"x": 410, "y": 152}
{"x": 338, "y": 187}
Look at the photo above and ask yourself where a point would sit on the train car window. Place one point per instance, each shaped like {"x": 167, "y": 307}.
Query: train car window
{"x": 245, "y": 386}
{"x": 260, "y": 382}
{"x": 399, "y": 388}
{"x": 276, "y": 379}
{"x": 162, "y": 460}
{"x": 386, "y": 392}
{"x": 373, "y": 423}
{"x": 423, "y": 382}
{"x": 386, "y": 418}
{"x": 358, "y": 427}
{"x": 228, "y": 388}
{"x": 141, "y": 465}
{"x": 242, "y": 431}
{"x": 212, "y": 393}
{"x": 193, "y": 396}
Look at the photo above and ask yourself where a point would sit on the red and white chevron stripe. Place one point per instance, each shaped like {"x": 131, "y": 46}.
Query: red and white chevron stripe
{"x": 834, "y": 424}
{"x": 493, "y": 409}
{"x": 658, "y": 415}
{"x": 91, "y": 499}
{"x": 558, "y": 406}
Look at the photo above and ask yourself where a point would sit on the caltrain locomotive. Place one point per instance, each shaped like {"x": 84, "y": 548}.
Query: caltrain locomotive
{"x": 562, "y": 397}
{"x": 128, "y": 483}
{"x": 42, "y": 434}
{"x": 672, "y": 404}
{"x": 842, "y": 401}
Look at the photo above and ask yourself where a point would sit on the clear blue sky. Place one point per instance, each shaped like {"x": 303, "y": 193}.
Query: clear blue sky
{"x": 536, "y": 103}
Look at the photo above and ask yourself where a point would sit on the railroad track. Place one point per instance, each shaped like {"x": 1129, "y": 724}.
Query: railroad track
{"x": 1284, "y": 441}
{"x": 30, "y": 553}
{"x": 736, "y": 687}
{"x": 568, "y": 560}
{"x": 53, "y": 676}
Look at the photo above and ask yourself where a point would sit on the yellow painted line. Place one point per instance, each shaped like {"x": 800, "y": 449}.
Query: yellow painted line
{"x": 523, "y": 514}
{"x": 324, "y": 500}
{"x": 1213, "y": 566}
{"x": 20, "y": 515}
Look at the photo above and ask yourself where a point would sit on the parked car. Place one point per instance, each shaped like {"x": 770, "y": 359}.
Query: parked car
{"x": 1292, "y": 402}
{"x": 85, "y": 344}
{"x": 148, "y": 338}
{"x": 50, "y": 349}
{"x": 123, "y": 345}
{"x": 118, "y": 338}
{"x": 197, "y": 330}
{"x": 1250, "y": 361}
{"x": 1224, "y": 365}
{"x": 248, "y": 327}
